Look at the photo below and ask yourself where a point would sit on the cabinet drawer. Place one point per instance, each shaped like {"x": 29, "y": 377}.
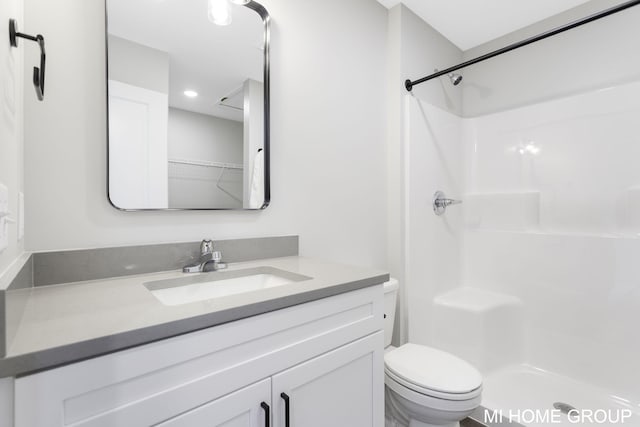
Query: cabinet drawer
{"x": 154, "y": 382}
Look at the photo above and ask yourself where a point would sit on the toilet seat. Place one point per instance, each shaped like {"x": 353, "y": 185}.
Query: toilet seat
{"x": 433, "y": 373}
{"x": 431, "y": 402}
{"x": 429, "y": 392}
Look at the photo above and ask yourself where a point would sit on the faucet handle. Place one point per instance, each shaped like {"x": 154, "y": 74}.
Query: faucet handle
{"x": 216, "y": 257}
{"x": 206, "y": 247}
{"x": 441, "y": 203}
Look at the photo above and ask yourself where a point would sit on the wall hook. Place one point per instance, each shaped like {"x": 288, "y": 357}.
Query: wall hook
{"x": 38, "y": 72}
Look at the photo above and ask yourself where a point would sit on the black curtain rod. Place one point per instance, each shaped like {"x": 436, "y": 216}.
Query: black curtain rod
{"x": 408, "y": 84}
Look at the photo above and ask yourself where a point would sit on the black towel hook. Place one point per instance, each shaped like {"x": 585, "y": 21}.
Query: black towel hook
{"x": 38, "y": 72}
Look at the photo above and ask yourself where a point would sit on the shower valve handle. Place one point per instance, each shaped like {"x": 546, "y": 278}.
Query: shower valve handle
{"x": 441, "y": 202}
{"x": 447, "y": 202}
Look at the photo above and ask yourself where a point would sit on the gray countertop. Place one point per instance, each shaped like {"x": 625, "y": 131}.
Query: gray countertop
{"x": 67, "y": 323}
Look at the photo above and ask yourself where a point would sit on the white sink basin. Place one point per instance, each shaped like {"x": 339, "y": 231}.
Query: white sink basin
{"x": 207, "y": 286}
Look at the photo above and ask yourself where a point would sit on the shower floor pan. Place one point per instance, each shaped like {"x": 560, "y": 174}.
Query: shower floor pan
{"x": 528, "y": 394}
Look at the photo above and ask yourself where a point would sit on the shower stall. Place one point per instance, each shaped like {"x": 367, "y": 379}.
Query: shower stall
{"x": 535, "y": 277}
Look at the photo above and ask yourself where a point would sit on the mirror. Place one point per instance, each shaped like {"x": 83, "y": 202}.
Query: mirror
{"x": 188, "y": 104}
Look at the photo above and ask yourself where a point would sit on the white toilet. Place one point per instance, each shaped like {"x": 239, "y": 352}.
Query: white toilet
{"x": 424, "y": 386}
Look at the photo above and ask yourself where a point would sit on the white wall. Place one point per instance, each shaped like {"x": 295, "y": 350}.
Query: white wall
{"x": 11, "y": 119}
{"x": 195, "y": 136}
{"x": 597, "y": 55}
{"x": 138, "y": 65}
{"x": 198, "y": 137}
{"x": 328, "y": 135}
{"x": 424, "y": 50}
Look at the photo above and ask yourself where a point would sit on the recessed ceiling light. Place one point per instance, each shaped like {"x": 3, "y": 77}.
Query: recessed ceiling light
{"x": 240, "y": 2}
{"x": 190, "y": 93}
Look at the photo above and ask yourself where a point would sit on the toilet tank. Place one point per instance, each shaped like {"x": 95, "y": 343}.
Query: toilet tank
{"x": 390, "y": 296}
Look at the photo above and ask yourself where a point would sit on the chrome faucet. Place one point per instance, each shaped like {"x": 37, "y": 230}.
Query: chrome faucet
{"x": 210, "y": 260}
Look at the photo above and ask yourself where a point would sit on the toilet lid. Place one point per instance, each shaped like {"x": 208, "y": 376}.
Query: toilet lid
{"x": 432, "y": 369}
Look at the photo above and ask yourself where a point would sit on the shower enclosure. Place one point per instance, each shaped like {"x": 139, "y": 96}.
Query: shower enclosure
{"x": 535, "y": 277}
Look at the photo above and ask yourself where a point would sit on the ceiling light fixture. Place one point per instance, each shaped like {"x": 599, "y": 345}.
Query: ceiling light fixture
{"x": 240, "y": 2}
{"x": 219, "y": 12}
{"x": 190, "y": 93}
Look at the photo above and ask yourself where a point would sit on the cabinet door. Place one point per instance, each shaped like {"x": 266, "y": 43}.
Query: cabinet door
{"x": 247, "y": 407}
{"x": 342, "y": 388}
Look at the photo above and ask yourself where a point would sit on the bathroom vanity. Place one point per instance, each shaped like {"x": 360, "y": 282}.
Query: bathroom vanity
{"x": 304, "y": 353}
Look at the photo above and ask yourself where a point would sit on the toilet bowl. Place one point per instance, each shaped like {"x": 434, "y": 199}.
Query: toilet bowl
{"x": 425, "y": 386}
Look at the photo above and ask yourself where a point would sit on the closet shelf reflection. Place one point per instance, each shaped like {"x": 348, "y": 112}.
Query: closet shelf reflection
{"x": 207, "y": 164}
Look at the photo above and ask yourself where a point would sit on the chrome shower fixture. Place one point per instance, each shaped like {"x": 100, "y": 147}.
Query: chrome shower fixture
{"x": 441, "y": 202}
{"x": 455, "y": 78}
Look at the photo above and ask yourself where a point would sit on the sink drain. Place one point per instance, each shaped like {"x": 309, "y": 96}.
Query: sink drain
{"x": 565, "y": 408}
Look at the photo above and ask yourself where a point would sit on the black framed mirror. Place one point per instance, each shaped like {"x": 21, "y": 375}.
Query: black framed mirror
{"x": 188, "y": 104}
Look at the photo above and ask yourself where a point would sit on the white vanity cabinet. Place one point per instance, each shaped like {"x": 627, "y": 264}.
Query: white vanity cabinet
{"x": 325, "y": 356}
{"x": 335, "y": 389}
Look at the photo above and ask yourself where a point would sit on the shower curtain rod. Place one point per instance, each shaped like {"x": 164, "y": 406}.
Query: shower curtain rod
{"x": 408, "y": 84}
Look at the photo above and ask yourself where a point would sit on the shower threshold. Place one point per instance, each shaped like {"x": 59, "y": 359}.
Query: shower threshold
{"x": 525, "y": 395}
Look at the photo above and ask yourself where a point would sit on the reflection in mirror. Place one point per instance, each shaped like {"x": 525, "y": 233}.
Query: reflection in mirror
{"x": 188, "y": 104}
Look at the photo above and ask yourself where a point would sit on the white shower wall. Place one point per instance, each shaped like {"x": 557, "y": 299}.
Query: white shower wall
{"x": 569, "y": 252}
{"x": 433, "y": 161}
{"x": 550, "y": 229}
